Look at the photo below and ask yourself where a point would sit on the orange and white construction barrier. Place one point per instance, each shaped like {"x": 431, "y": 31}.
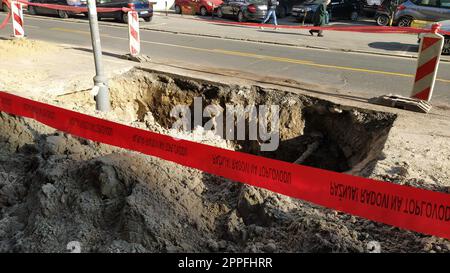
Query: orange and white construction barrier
{"x": 427, "y": 64}
{"x": 133, "y": 27}
{"x": 17, "y": 18}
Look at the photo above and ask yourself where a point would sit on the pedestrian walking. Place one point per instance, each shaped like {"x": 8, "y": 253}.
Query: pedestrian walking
{"x": 320, "y": 18}
{"x": 271, "y": 12}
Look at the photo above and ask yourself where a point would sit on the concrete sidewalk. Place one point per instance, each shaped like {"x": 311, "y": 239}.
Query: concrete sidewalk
{"x": 402, "y": 45}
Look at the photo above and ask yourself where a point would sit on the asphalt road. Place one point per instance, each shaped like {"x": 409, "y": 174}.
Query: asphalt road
{"x": 364, "y": 75}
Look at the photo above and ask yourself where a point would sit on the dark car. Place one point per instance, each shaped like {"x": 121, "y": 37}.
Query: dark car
{"x": 338, "y": 9}
{"x": 143, "y": 7}
{"x": 304, "y": 12}
{"x": 386, "y": 11}
{"x": 243, "y": 10}
{"x": 285, "y": 7}
{"x": 33, "y": 10}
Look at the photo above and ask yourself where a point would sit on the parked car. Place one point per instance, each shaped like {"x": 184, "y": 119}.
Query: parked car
{"x": 33, "y": 10}
{"x": 338, "y": 9}
{"x": 202, "y": 7}
{"x": 285, "y": 7}
{"x": 243, "y": 10}
{"x": 143, "y": 7}
{"x": 386, "y": 10}
{"x": 304, "y": 12}
{"x": 370, "y": 7}
{"x": 425, "y": 10}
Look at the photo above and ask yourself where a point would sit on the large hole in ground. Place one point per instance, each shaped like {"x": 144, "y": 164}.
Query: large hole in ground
{"x": 313, "y": 132}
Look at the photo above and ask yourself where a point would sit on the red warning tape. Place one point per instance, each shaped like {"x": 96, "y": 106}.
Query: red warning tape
{"x": 402, "y": 206}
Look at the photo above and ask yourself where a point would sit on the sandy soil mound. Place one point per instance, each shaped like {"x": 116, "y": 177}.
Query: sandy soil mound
{"x": 25, "y": 48}
{"x": 37, "y": 68}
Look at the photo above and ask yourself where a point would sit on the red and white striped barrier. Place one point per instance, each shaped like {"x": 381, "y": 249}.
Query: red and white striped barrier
{"x": 17, "y": 18}
{"x": 133, "y": 27}
{"x": 427, "y": 64}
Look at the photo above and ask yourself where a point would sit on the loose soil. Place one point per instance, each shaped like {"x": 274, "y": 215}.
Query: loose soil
{"x": 56, "y": 188}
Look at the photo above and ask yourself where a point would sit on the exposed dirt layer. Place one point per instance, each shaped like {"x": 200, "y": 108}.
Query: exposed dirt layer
{"x": 343, "y": 138}
{"x": 55, "y": 188}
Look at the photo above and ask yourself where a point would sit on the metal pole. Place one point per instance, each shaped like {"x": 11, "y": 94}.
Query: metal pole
{"x": 100, "y": 80}
{"x": 167, "y": 12}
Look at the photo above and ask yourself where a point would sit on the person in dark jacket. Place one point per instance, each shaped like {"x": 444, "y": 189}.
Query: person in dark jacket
{"x": 320, "y": 18}
{"x": 271, "y": 11}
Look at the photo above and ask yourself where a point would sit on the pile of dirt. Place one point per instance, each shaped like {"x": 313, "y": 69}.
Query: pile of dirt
{"x": 56, "y": 188}
{"x": 337, "y": 138}
{"x": 35, "y": 68}
{"x": 25, "y": 48}
{"x": 20, "y": 69}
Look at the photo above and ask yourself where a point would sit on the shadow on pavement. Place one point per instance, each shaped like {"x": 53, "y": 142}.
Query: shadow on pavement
{"x": 394, "y": 46}
{"x": 110, "y": 54}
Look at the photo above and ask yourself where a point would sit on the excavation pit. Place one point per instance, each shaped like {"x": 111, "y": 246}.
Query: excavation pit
{"x": 56, "y": 188}
{"x": 312, "y": 132}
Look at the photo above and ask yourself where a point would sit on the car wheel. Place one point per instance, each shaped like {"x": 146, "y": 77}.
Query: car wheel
{"x": 63, "y": 14}
{"x": 354, "y": 16}
{"x": 203, "y": 11}
{"x": 405, "y": 22}
{"x": 219, "y": 13}
{"x": 240, "y": 17}
{"x": 446, "y": 47}
{"x": 177, "y": 9}
{"x": 148, "y": 19}
{"x": 382, "y": 20}
{"x": 125, "y": 17}
{"x": 32, "y": 10}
